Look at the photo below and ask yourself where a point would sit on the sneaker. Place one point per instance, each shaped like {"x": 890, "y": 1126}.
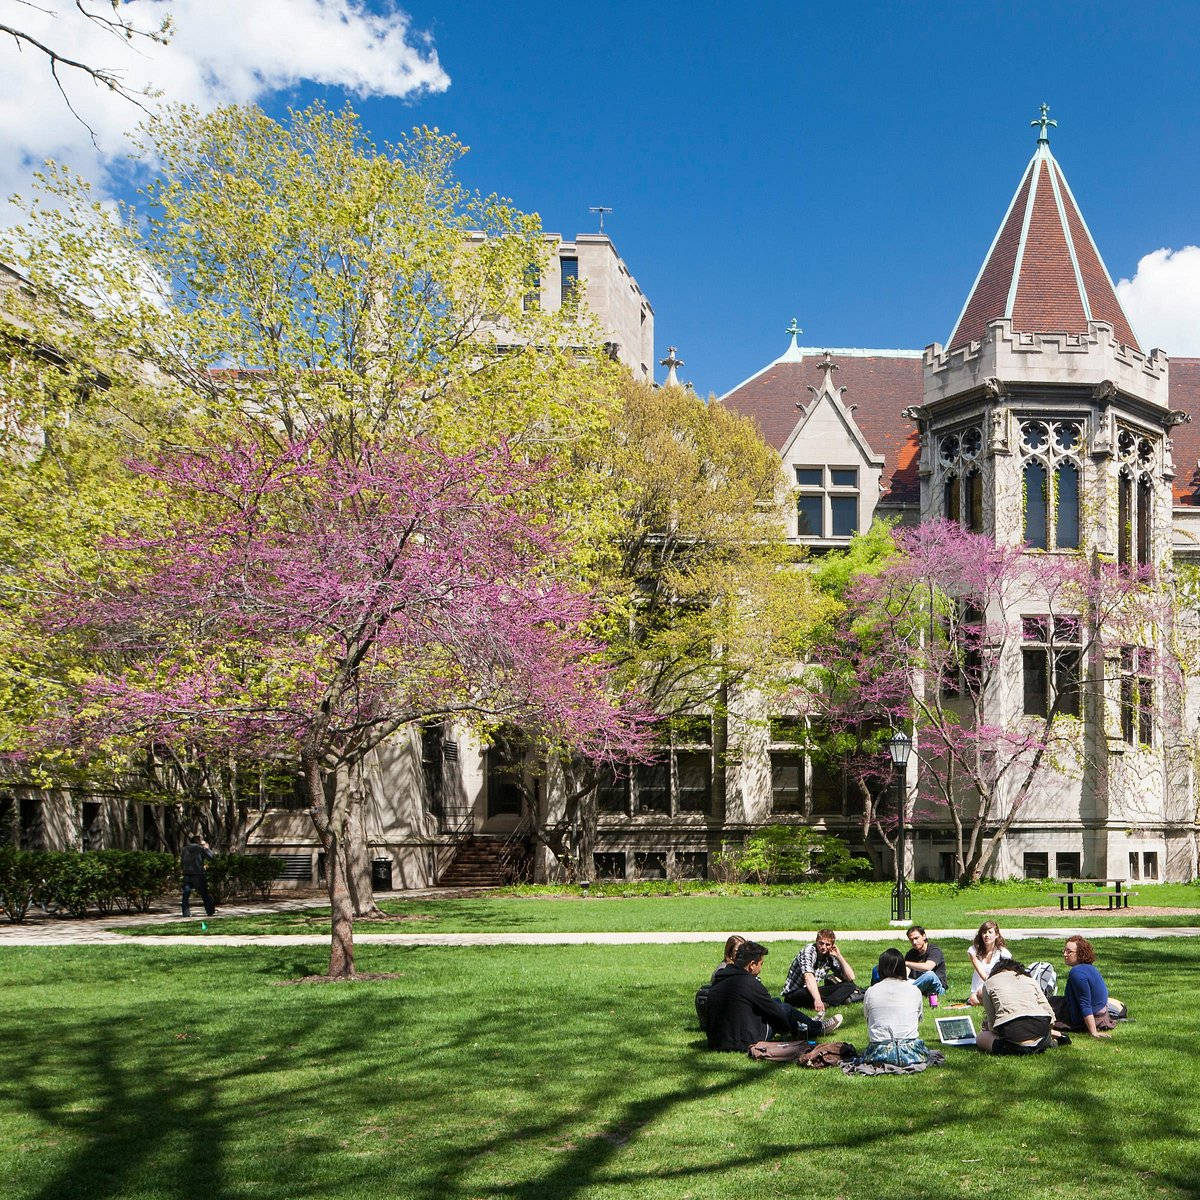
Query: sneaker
{"x": 829, "y": 1024}
{"x": 933, "y": 1000}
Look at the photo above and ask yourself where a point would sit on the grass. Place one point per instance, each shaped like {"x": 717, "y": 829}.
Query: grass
{"x": 548, "y": 1073}
{"x": 841, "y": 906}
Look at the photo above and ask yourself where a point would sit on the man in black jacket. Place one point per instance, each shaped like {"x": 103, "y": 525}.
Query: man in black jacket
{"x": 741, "y": 1011}
{"x": 192, "y": 859}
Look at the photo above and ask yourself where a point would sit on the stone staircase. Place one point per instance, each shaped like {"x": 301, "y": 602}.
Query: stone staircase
{"x": 480, "y": 862}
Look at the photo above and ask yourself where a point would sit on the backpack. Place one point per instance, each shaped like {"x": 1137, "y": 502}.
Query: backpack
{"x": 702, "y": 1005}
{"x": 1045, "y": 975}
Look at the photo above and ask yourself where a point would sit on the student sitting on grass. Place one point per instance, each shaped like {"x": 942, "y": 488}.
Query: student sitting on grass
{"x": 987, "y": 948}
{"x": 1085, "y": 1006}
{"x": 1017, "y": 1015}
{"x": 741, "y": 1011}
{"x": 821, "y": 976}
{"x": 892, "y": 1008}
{"x": 732, "y": 943}
{"x": 926, "y": 965}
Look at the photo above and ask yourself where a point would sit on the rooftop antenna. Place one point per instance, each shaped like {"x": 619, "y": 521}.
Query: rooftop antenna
{"x": 600, "y": 210}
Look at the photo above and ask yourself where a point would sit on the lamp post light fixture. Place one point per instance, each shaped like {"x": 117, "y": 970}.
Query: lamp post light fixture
{"x": 899, "y": 748}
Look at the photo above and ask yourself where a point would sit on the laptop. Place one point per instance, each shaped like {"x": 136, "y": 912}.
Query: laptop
{"x": 956, "y": 1031}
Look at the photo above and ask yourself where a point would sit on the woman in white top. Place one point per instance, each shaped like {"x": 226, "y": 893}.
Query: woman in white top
{"x": 987, "y": 948}
{"x": 892, "y": 1008}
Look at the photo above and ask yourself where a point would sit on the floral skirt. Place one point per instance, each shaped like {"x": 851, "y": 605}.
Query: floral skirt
{"x": 900, "y": 1052}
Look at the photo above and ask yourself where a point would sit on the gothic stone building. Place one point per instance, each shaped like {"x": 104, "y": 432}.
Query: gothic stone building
{"x": 1042, "y": 419}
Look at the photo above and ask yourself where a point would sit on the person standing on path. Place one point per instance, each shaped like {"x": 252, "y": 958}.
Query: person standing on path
{"x": 192, "y": 858}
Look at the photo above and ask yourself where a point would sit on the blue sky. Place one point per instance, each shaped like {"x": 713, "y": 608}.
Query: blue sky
{"x": 846, "y": 164}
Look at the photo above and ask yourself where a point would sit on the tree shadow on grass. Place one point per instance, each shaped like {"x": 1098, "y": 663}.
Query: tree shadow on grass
{"x": 544, "y": 1072}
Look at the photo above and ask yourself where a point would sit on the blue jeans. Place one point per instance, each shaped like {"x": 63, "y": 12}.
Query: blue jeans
{"x": 929, "y": 983}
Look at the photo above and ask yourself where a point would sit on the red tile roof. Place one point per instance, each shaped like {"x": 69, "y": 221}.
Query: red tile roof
{"x": 882, "y": 385}
{"x": 1043, "y": 270}
{"x": 879, "y": 384}
{"x": 1185, "y": 439}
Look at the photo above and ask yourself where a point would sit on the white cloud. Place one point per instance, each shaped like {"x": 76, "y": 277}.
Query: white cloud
{"x": 222, "y": 51}
{"x": 1162, "y": 300}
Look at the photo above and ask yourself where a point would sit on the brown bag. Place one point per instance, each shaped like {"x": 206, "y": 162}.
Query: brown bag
{"x": 804, "y": 1054}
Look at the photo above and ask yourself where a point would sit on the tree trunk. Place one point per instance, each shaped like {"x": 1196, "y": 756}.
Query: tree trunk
{"x": 357, "y": 856}
{"x": 341, "y": 907}
{"x": 586, "y": 841}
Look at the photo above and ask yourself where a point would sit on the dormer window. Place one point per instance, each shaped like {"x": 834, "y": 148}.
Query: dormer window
{"x": 827, "y": 504}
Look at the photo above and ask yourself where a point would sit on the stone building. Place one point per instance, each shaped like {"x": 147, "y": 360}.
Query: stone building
{"x": 590, "y": 268}
{"x": 1042, "y": 420}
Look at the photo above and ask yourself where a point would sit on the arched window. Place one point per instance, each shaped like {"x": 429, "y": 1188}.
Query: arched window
{"x": 1145, "y": 508}
{"x": 974, "y": 498}
{"x": 1035, "y": 505}
{"x": 1066, "y": 506}
{"x": 951, "y": 505}
{"x": 1124, "y": 519}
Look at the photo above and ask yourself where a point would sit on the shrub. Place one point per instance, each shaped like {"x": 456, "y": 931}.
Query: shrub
{"x": 22, "y": 881}
{"x": 76, "y": 881}
{"x": 141, "y": 875}
{"x": 232, "y": 875}
{"x": 835, "y": 862}
{"x": 779, "y": 854}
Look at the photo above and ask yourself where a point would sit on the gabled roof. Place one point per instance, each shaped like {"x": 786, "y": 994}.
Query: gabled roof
{"x": 879, "y": 385}
{"x": 1043, "y": 270}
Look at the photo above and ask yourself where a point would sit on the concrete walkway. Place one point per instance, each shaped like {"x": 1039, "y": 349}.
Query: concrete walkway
{"x": 107, "y": 931}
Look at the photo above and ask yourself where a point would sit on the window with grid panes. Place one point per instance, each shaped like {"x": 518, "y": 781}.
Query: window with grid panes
{"x": 1051, "y": 664}
{"x": 1137, "y": 696}
{"x": 787, "y": 764}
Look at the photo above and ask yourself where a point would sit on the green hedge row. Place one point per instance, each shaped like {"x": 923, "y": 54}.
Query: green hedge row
{"x": 108, "y": 881}
{"x": 231, "y": 875}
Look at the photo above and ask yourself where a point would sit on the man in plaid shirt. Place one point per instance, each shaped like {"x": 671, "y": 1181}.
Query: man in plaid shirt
{"x": 820, "y": 976}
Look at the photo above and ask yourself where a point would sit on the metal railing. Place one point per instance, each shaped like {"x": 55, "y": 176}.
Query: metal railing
{"x": 457, "y": 822}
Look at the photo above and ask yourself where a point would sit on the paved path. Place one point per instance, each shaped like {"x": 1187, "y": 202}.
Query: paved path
{"x": 93, "y": 933}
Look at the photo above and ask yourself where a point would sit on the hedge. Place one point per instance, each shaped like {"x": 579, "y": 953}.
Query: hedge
{"x": 231, "y": 875}
{"x": 124, "y": 881}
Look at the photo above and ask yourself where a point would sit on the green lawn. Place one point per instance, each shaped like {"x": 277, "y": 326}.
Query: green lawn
{"x": 841, "y": 906}
{"x": 548, "y": 1073}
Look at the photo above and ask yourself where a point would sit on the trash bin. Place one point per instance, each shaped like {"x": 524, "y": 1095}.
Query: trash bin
{"x": 381, "y": 874}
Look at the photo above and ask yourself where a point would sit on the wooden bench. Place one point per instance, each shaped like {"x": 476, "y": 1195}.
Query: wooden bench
{"x": 1073, "y": 900}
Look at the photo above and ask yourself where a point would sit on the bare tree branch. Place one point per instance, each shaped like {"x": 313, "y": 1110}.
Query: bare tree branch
{"x": 118, "y": 25}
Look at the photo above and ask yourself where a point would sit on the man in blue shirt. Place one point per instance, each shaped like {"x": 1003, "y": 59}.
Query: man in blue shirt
{"x": 1084, "y": 1007}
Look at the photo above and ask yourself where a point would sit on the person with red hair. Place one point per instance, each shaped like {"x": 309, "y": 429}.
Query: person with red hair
{"x": 1084, "y": 1006}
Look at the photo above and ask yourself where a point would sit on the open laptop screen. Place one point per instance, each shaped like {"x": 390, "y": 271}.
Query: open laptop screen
{"x": 956, "y": 1031}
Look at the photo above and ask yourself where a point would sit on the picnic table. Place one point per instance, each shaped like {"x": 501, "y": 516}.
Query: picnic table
{"x": 1109, "y": 889}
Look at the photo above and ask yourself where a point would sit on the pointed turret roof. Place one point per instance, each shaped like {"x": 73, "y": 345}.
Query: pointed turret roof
{"x": 1043, "y": 270}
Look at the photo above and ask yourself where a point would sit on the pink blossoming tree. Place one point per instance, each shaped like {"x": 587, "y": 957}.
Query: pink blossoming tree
{"x": 302, "y": 606}
{"x": 1003, "y": 664}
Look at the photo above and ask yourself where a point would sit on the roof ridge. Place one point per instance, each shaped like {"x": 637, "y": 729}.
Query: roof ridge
{"x": 805, "y": 352}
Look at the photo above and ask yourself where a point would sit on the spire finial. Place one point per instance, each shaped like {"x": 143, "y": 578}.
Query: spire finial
{"x": 671, "y": 362}
{"x": 792, "y": 353}
{"x": 1042, "y": 123}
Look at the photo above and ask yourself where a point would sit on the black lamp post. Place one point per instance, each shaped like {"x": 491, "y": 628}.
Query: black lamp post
{"x": 899, "y": 747}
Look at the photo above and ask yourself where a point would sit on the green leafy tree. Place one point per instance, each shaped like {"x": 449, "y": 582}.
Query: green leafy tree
{"x": 288, "y": 273}
{"x": 702, "y": 595}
